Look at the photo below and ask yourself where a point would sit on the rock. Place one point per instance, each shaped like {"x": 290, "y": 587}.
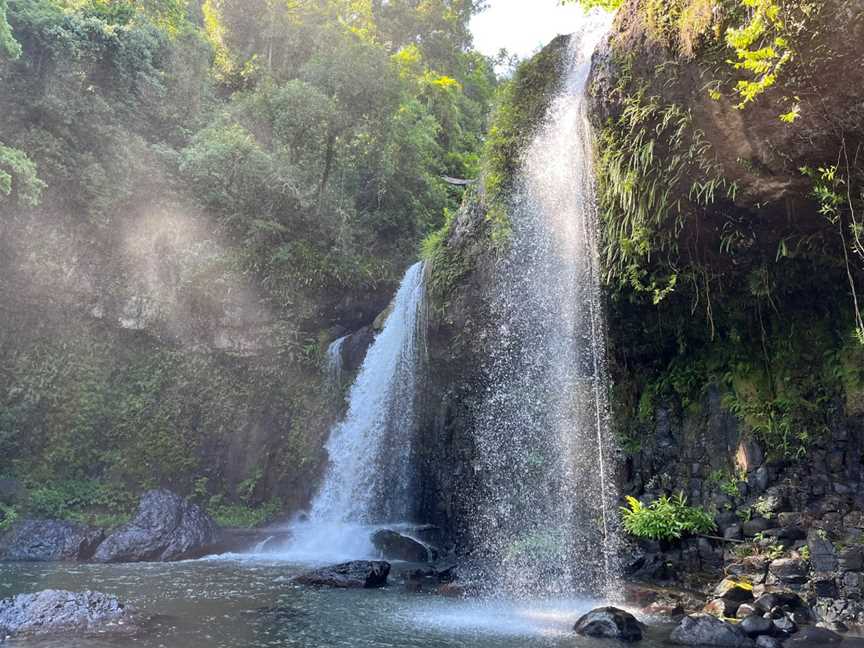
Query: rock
{"x": 55, "y": 612}
{"x": 744, "y": 611}
{"x": 754, "y": 526}
{"x": 851, "y": 560}
{"x": 822, "y": 554}
{"x": 734, "y": 590}
{"x": 357, "y": 574}
{"x": 49, "y": 541}
{"x": 789, "y": 570}
{"x": 165, "y": 528}
{"x": 749, "y": 456}
{"x": 755, "y": 625}
{"x": 814, "y": 636}
{"x": 721, "y": 608}
{"x": 771, "y": 600}
{"x": 765, "y": 641}
{"x": 706, "y": 630}
{"x": 609, "y": 623}
{"x": 395, "y": 546}
{"x": 784, "y": 626}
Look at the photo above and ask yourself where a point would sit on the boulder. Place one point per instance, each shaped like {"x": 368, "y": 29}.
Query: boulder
{"x": 395, "y": 546}
{"x": 814, "y": 637}
{"x": 786, "y": 600}
{"x": 706, "y": 630}
{"x": 609, "y": 623}
{"x": 734, "y": 590}
{"x": 357, "y": 574}
{"x": 755, "y": 625}
{"x": 722, "y": 608}
{"x": 49, "y": 541}
{"x": 823, "y": 557}
{"x": 784, "y": 626}
{"x": 165, "y": 528}
{"x": 789, "y": 570}
{"x": 56, "y": 612}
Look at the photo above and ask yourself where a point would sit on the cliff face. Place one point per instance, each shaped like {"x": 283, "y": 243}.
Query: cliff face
{"x": 730, "y": 280}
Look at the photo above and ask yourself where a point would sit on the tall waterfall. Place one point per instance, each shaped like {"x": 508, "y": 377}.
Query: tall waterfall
{"x": 543, "y": 523}
{"x": 369, "y": 480}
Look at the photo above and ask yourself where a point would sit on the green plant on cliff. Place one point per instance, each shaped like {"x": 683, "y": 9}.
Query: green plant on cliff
{"x": 666, "y": 518}
{"x": 841, "y": 202}
{"x": 765, "y": 44}
{"x": 653, "y": 169}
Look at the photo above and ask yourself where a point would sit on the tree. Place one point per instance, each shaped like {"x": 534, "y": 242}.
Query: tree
{"x": 9, "y": 47}
{"x": 18, "y": 176}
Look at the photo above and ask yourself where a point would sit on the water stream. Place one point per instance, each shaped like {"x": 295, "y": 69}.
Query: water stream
{"x": 369, "y": 481}
{"x": 543, "y": 523}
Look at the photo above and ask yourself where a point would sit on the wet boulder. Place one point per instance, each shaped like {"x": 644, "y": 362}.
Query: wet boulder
{"x": 49, "y": 541}
{"x": 755, "y": 625}
{"x": 609, "y": 623}
{"x": 165, "y": 528}
{"x": 357, "y": 574}
{"x": 706, "y": 630}
{"x": 734, "y": 590}
{"x": 395, "y": 546}
{"x": 57, "y": 612}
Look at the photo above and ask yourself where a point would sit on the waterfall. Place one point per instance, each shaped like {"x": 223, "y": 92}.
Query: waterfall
{"x": 543, "y": 521}
{"x": 334, "y": 363}
{"x": 368, "y": 480}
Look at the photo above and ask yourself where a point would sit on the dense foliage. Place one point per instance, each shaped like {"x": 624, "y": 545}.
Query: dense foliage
{"x": 195, "y": 198}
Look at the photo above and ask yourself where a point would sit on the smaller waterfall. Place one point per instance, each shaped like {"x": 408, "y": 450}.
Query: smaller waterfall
{"x": 369, "y": 480}
{"x": 335, "y": 363}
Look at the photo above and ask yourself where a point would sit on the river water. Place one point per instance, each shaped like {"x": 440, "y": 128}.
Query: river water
{"x": 250, "y": 602}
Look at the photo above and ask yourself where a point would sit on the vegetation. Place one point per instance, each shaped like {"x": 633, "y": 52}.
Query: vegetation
{"x": 667, "y": 518}
{"x": 166, "y": 165}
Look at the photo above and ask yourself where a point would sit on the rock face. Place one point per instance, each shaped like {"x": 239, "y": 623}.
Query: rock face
{"x": 166, "y": 527}
{"x": 357, "y": 574}
{"x": 609, "y": 623}
{"x": 54, "y": 612}
{"x": 49, "y": 540}
{"x": 395, "y": 546}
{"x": 706, "y": 630}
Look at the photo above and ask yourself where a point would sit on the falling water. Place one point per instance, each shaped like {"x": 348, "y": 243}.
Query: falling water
{"x": 369, "y": 479}
{"x": 543, "y": 522}
{"x": 334, "y": 363}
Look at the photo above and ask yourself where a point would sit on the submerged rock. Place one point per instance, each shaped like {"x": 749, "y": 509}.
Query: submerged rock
{"x": 357, "y": 574}
{"x": 395, "y": 546}
{"x": 609, "y": 623}
{"x": 166, "y": 527}
{"x": 54, "y": 612}
{"x": 706, "y": 630}
{"x": 49, "y": 541}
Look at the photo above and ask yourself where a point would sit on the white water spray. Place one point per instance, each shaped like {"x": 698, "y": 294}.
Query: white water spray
{"x": 542, "y": 523}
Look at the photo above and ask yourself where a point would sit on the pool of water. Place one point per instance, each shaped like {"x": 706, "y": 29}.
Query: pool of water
{"x": 250, "y": 602}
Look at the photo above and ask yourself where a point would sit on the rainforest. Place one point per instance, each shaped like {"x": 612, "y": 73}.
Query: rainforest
{"x": 431, "y": 323}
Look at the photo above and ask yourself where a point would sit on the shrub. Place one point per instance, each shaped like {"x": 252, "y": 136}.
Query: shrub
{"x": 668, "y": 518}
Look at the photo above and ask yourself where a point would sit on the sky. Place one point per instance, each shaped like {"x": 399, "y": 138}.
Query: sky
{"x": 521, "y": 26}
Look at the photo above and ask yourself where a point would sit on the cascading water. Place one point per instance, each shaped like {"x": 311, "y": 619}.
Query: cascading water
{"x": 542, "y": 525}
{"x": 334, "y": 363}
{"x": 369, "y": 479}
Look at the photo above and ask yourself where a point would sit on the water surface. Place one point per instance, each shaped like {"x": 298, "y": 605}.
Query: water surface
{"x": 250, "y": 602}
